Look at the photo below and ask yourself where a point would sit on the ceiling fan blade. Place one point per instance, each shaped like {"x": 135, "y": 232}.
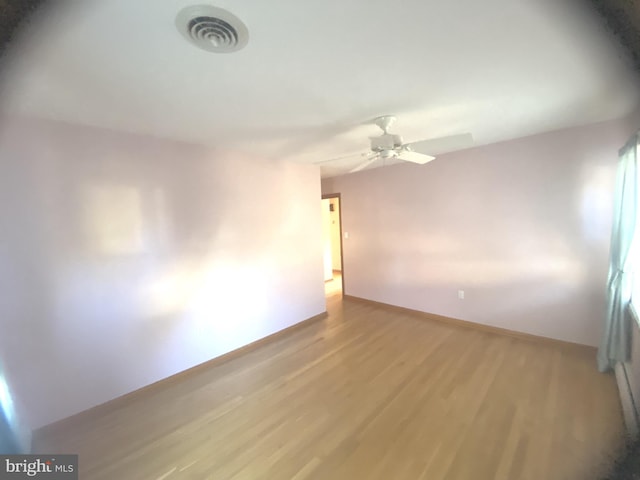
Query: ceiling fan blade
{"x": 364, "y": 165}
{"x": 353, "y": 156}
{"x": 415, "y": 157}
{"x": 436, "y": 146}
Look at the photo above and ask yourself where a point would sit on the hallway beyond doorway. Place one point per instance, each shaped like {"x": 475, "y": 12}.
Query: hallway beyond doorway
{"x": 334, "y": 286}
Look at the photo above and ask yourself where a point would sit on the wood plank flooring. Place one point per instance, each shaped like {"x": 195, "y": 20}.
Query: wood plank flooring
{"x": 366, "y": 394}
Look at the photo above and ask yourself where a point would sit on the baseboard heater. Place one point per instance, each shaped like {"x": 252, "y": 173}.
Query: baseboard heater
{"x": 629, "y": 409}
{"x": 628, "y": 379}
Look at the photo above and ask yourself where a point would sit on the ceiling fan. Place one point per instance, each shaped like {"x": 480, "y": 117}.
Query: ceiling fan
{"x": 390, "y": 146}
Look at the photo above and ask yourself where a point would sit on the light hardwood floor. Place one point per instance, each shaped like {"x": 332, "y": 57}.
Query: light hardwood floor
{"x": 366, "y": 394}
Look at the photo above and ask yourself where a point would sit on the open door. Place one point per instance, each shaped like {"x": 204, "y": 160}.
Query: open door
{"x": 333, "y": 255}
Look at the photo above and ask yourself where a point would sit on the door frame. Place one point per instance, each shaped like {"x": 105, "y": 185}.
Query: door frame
{"x": 339, "y": 197}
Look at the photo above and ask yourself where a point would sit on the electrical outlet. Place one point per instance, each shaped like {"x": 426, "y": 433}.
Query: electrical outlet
{"x": 461, "y": 294}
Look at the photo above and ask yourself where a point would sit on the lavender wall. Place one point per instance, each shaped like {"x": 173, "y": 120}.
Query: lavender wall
{"x": 522, "y": 227}
{"x": 126, "y": 259}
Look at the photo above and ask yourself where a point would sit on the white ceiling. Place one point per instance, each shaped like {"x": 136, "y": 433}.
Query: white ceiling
{"x": 314, "y": 71}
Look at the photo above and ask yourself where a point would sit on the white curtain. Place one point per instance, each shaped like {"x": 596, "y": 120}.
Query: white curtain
{"x": 615, "y": 343}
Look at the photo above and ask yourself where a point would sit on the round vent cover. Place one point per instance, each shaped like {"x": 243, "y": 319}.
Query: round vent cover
{"x": 212, "y": 28}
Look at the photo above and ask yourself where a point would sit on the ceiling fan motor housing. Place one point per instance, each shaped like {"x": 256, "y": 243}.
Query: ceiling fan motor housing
{"x": 386, "y": 141}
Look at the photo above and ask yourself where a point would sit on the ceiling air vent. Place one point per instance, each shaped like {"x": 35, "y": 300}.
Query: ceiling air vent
{"x": 212, "y": 28}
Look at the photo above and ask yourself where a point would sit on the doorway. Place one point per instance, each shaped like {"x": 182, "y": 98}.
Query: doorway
{"x": 332, "y": 245}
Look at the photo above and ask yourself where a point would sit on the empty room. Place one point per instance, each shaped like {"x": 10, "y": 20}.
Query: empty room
{"x": 319, "y": 240}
